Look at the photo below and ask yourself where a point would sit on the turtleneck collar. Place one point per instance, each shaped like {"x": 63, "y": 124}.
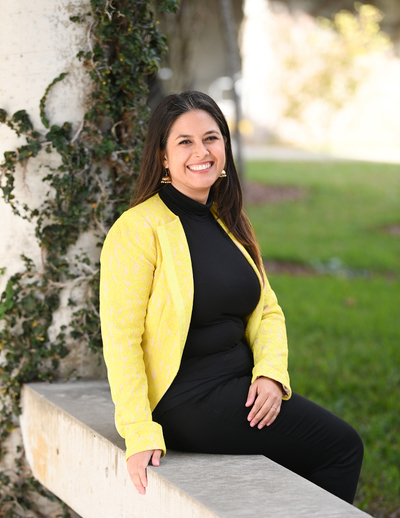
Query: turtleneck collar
{"x": 180, "y": 204}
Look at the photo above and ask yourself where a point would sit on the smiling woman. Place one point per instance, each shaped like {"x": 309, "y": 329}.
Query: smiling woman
{"x": 194, "y": 338}
{"x": 195, "y": 154}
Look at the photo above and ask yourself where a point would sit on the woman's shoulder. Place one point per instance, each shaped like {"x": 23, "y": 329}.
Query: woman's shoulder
{"x": 151, "y": 213}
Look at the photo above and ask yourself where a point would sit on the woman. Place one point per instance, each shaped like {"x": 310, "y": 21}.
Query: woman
{"x": 194, "y": 339}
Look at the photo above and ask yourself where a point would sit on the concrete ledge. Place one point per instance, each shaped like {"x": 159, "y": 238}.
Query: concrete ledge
{"x": 74, "y": 450}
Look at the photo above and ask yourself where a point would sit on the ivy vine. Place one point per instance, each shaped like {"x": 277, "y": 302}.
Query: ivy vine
{"x": 91, "y": 187}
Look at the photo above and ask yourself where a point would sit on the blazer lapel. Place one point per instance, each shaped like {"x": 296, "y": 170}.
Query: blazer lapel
{"x": 178, "y": 270}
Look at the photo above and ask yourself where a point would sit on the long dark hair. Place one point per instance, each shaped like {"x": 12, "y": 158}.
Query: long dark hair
{"x": 226, "y": 192}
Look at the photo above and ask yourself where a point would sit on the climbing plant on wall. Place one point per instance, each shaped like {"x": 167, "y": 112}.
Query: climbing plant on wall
{"x": 99, "y": 162}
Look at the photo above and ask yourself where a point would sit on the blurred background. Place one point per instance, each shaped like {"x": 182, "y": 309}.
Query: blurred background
{"x": 313, "y": 86}
{"x": 321, "y": 75}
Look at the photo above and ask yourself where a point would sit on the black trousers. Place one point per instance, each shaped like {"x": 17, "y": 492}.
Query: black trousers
{"x": 305, "y": 438}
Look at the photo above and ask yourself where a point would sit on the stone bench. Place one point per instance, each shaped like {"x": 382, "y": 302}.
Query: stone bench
{"x": 74, "y": 450}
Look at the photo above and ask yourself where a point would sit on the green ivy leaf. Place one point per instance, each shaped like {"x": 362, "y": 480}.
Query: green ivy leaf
{"x": 21, "y": 122}
{"x": 3, "y": 115}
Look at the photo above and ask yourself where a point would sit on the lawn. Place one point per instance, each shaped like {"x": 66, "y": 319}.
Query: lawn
{"x": 343, "y": 214}
{"x": 343, "y": 325}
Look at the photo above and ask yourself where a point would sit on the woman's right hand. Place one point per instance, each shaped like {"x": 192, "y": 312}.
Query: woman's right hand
{"x": 137, "y": 464}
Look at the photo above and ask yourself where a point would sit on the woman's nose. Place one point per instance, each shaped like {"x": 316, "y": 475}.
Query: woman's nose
{"x": 201, "y": 150}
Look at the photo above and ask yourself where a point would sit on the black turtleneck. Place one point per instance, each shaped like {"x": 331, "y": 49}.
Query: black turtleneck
{"x": 226, "y": 290}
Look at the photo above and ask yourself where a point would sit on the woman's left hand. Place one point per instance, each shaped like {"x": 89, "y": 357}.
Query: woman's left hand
{"x": 265, "y": 395}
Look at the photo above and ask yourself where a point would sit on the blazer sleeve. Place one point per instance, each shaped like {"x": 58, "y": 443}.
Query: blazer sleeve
{"x": 270, "y": 350}
{"x": 128, "y": 261}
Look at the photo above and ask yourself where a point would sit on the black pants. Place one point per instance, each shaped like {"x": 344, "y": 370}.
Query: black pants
{"x": 305, "y": 438}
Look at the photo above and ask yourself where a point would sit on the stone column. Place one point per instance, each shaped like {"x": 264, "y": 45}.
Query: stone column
{"x": 38, "y": 42}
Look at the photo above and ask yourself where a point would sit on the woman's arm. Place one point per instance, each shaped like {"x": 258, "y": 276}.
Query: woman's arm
{"x": 270, "y": 382}
{"x": 127, "y": 265}
{"x": 269, "y": 347}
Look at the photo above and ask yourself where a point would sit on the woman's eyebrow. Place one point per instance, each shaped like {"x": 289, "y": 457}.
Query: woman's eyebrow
{"x": 191, "y": 136}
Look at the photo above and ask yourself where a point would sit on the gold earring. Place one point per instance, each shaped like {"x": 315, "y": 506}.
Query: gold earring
{"x": 166, "y": 178}
{"x": 223, "y": 174}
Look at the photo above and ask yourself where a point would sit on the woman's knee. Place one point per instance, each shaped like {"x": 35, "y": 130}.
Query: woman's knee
{"x": 358, "y": 446}
{"x": 353, "y": 446}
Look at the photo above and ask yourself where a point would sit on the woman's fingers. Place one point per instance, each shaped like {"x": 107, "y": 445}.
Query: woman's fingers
{"x": 267, "y": 404}
{"x": 256, "y": 409}
{"x": 270, "y": 408}
{"x": 137, "y": 464}
{"x": 267, "y": 414}
{"x": 141, "y": 487}
{"x": 156, "y": 457}
{"x": 139, "y": 480}
{"x": 251, "y": 395}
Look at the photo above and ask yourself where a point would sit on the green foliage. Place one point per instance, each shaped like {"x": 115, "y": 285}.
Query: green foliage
{"x": 324, "y": 69}
{"x": 27, "y": 305}
{"x": 90, "y": 188}
{"x": 360, "y": 34}
{"x": 343, "y": 324}
{"x": 14, "y": 488}
{"x": 43, "y": 100}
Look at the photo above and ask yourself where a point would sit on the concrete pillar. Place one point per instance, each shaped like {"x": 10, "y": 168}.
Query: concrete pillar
{"x": 38, "y": 42}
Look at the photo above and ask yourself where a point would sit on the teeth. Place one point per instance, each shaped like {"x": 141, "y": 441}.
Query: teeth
{"x": 200, "y": 167}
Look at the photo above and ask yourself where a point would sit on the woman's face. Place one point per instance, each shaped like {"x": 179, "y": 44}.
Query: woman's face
{"x": 195, "y": 154}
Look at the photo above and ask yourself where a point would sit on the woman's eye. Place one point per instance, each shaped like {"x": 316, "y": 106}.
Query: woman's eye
{"x": 212, "y": 137}
{"x": 184, "y": 142}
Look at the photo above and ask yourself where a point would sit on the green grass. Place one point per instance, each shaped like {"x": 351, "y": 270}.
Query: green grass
{"x": 344, "y": 333}
{"x": 342, "y": 214}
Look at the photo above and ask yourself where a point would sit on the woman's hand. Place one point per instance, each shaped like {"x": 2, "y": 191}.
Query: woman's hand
{"x": 266, "y": 394}
{"x": 137, "y": 464}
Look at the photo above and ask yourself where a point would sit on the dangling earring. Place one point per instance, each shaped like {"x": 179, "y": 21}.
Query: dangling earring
{"x": 166, "y": 178}
{"x": 223, "y": 174}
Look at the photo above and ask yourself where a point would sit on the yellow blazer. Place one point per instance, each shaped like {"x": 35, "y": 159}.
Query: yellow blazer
{"x": 146, "y": 298}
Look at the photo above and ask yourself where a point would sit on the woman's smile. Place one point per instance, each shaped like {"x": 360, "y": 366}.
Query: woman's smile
{"x": 200, "y": 167}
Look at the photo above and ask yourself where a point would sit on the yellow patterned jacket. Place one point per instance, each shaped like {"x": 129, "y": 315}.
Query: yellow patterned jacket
{"x": 146, "y": 297}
